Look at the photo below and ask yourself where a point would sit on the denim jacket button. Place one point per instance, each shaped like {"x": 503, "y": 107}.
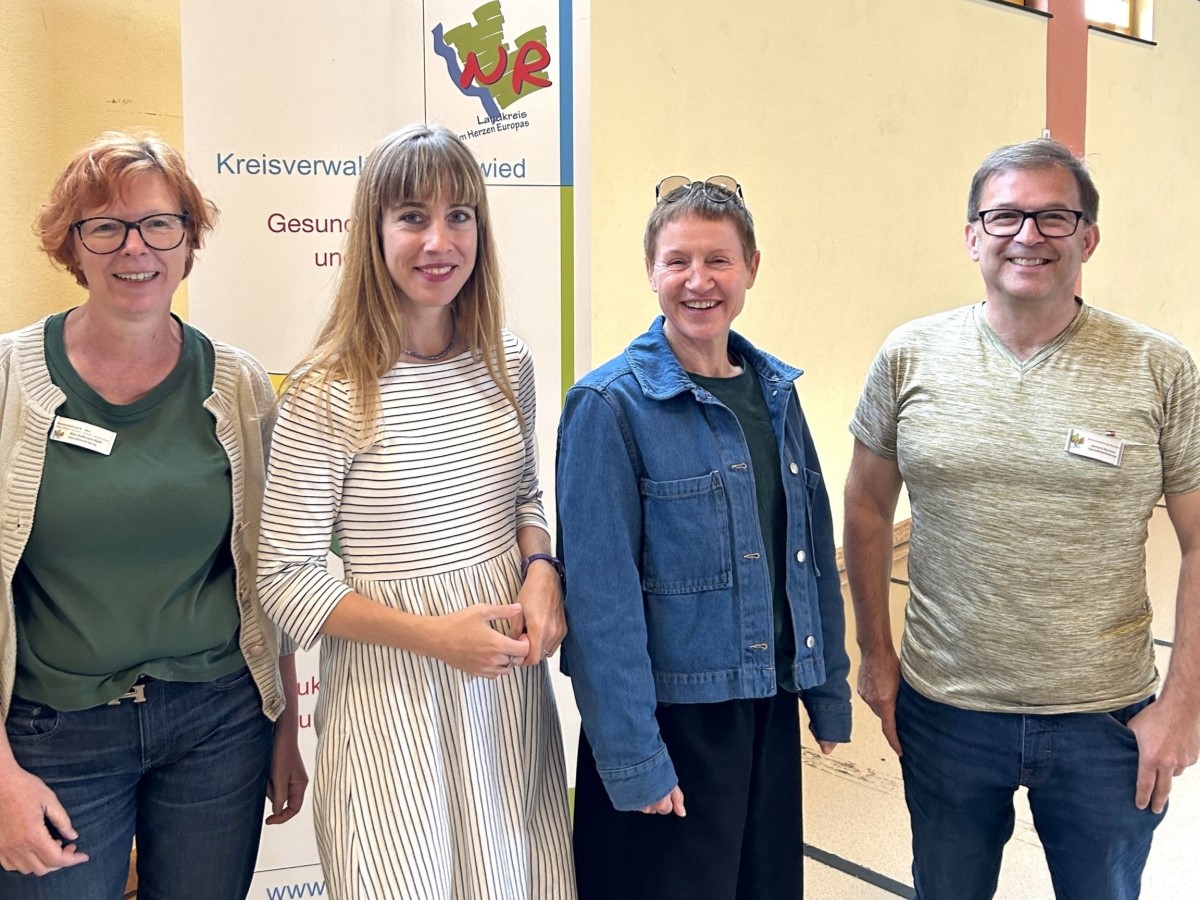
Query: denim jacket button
{"x": 801, "y": 556}
{"x": 810, "y": 642}
{"x": 794, "y": 469}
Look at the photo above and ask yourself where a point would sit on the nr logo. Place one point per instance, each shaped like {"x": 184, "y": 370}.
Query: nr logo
{"x": 486, "y": 66}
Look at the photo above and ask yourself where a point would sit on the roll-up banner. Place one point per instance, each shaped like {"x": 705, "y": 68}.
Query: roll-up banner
{"x": 282, "y": 101}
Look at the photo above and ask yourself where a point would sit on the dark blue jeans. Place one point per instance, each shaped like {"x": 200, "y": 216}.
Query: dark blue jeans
{"x": 961, "y": 769}
{"x": 185, "y": 771}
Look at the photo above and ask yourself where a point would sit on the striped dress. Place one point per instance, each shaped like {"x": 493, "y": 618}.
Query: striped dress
{"x": 430, "y": 783}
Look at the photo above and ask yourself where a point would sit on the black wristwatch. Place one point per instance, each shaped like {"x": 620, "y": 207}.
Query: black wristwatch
{"x": 553, "y": 560}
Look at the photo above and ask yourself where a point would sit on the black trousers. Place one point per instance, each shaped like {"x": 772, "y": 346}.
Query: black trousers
{"x": 738, "y": 764}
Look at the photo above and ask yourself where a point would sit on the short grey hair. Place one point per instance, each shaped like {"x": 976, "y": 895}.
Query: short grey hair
{"x": 690, "y": 200}
{"x": 1042, "y": 153}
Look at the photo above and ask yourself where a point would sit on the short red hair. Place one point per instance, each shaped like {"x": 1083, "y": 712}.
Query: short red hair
{"x": 95, "y": 177}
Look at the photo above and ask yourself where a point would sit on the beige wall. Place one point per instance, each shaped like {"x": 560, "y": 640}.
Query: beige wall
{"x": 1142, "y": 143}
{"x": 1142, "y": 139}
{"x": 70, "y": 69}
{"x": 854, "y": 127}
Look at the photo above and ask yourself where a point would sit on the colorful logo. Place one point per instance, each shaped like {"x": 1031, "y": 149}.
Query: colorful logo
{"x": 485, "y": 66}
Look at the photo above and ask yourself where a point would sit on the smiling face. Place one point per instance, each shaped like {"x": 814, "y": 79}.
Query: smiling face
{"x": 1028, "y": 268}
{"x": 429, "y": 248}
{"x": 136, "y": 280}
{"x": 700, "y": 273}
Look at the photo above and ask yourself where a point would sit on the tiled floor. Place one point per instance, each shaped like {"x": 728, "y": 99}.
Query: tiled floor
{"x": 854, "y": 800}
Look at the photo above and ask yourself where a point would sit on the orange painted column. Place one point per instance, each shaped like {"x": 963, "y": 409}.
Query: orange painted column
{"x": 1066, "y": 73}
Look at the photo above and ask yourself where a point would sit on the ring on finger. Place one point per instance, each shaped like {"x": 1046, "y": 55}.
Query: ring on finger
{"x": 512, "y": 661}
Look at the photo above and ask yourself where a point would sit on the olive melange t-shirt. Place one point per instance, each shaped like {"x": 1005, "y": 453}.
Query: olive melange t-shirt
{"x": 128, "y": 568}
{"x": 1027, "y": 562}
{"x": 742, "y": 394}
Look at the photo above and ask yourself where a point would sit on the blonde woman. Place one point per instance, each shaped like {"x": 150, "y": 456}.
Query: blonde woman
{"x": 408, "y": 434}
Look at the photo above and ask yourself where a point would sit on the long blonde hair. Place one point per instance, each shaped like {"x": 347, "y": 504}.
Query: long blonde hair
{"x": 364, "y": 332}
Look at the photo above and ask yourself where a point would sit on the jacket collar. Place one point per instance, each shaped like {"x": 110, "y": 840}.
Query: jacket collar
{"x": 661, "y": 377}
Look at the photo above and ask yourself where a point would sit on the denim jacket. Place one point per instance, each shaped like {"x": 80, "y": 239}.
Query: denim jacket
{"x": 668, "y": 591}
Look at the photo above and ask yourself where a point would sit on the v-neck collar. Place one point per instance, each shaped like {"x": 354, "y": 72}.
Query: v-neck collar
{"x": 1023, "y": 366}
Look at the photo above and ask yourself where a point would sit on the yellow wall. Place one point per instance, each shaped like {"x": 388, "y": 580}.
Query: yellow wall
{"x": 70, "y": 69}
{"x": 1142, "y": 143}
{"x": 854, "y": 127}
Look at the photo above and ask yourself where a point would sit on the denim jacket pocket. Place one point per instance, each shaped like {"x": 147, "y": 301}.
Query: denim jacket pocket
{"x": 685, "y": 535}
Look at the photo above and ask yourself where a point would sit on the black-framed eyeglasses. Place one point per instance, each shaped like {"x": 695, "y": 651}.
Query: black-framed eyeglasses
{"x": 104, "y": 234}
{"x": 717, "y": 188}
{"x": 1049, "y": 222}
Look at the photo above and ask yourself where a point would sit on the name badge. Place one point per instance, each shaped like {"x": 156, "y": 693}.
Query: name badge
{"x": 1104, "y": 448}
{"x": 83, "y": 434}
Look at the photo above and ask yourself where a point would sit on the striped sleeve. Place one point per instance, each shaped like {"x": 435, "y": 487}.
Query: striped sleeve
{"x": 310, "y": 458}
{"x": 529, "y": 494}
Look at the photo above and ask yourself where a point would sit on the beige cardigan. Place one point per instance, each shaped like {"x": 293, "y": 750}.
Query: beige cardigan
{"x": 242, "y": 402}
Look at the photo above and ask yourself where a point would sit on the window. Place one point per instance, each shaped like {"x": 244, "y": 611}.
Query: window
{"x": 1115, "y": 14}
{"x": 1130, "y": 17}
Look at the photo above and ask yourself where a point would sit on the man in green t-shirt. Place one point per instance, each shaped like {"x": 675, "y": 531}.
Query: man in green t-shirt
{"x": 1035, "y": 435}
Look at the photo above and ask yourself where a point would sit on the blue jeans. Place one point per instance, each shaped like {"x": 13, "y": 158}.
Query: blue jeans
{"x": 961, "y": 769}
{"x": 185, "y": 771}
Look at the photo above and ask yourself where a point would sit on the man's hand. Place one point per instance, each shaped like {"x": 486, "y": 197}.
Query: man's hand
{"x": 1168, "y": 738}
{"x": 26, "y": 845}
{"x": 1168, "y": 730}
{"x": 878, "y": 685}
{"x": 872, "y": 489}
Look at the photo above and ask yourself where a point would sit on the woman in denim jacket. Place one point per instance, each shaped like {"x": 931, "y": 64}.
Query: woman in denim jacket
{"x": 702, "y": 588}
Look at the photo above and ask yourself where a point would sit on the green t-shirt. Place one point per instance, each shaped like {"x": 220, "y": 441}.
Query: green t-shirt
{"x": 1027, "y": 562}
{"x": 128, "y": 568}
{"x": 743, "y": 396}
